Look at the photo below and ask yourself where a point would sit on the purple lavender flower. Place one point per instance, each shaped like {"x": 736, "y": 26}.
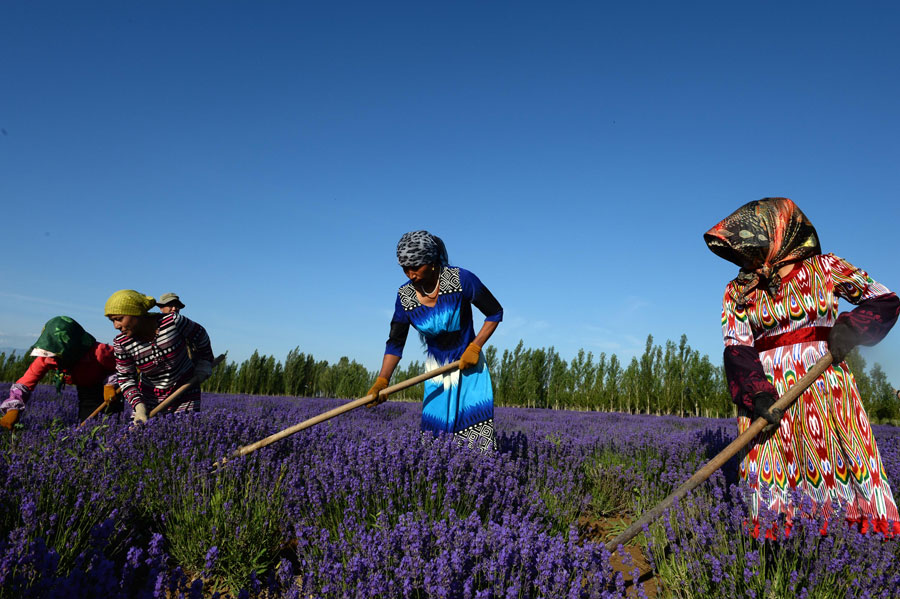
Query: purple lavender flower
{"x": 212, "y": 557}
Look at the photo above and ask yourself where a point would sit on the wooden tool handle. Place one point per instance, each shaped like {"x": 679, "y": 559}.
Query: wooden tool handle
{"x": 338, "y": 411}
{"x": 99, "y": 409}
{"x": 181, "y": 390}
{"x": 717, "y": 462}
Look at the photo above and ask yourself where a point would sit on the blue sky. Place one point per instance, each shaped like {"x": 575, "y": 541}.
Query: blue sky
{"x": 263, "y": 159}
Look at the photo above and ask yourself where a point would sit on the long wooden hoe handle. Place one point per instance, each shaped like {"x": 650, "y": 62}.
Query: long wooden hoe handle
{"x": 156, "y": 410}
{"x": 783, "y": 403}
{"x": 181, "y": 390}
{"x": 100, "y": 408}
{"x": 337, "y": 412}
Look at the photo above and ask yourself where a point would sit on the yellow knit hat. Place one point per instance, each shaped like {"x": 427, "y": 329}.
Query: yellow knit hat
{"x": 128, "y": 302}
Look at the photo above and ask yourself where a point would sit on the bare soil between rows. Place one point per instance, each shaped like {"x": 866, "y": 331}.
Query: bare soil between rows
{"x": 603, "y": 530}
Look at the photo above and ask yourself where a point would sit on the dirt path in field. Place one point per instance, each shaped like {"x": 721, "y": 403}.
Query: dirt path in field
{"x": 602, "y": 530}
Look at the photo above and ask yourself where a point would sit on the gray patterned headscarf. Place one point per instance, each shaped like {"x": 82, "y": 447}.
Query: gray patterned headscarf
{"x": 418, "y": 248}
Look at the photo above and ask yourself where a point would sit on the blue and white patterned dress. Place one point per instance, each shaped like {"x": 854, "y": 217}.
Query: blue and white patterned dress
{"x": 461, "y": 403}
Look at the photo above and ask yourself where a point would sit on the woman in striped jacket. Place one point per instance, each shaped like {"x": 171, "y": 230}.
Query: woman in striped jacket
{"x": 151, "y": 353}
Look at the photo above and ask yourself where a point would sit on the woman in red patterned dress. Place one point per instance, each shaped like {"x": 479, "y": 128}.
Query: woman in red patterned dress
{"x": 779, "y": 316}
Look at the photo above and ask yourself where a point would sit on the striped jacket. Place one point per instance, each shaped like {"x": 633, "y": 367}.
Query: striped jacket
{"x": 148, "y": 371}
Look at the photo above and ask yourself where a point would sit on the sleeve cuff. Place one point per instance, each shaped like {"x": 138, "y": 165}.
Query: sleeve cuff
{"x": 12, "y": 404}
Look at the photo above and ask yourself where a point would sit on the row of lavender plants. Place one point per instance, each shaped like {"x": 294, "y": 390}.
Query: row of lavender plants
{"x": 364, "y": 506}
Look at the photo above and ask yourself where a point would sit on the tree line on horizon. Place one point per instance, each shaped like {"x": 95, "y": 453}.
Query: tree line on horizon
{"x": 672, "y": 379}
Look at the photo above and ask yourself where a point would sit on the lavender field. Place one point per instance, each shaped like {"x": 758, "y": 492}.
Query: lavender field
{"x": 364, "y": 506}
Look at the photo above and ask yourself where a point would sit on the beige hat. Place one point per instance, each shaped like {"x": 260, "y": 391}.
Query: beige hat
{"x": 169, "y": 298}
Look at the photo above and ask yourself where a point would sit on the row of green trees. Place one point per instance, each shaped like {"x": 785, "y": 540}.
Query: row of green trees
{"x": 879, "y": 396}
{"x": 12, "y": 367}
{"x": 669, "y": 379}
{"x": 301, "y": 375}
{"x": 672, "y": 378}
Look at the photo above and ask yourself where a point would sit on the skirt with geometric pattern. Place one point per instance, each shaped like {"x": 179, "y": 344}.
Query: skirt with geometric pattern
{"x": 824, "y": 447}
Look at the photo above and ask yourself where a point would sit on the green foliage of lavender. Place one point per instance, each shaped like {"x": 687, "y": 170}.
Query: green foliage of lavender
{"x": 364, "y": 506}
{"x": 66, "y": 498}
{"x": 227, "y": 525}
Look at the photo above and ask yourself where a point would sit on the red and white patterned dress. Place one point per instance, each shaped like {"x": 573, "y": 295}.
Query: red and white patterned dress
{"x": 824, "y": 446}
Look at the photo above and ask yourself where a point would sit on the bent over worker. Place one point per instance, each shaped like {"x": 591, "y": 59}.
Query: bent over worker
{"x": 156, "y": 344}
{"x": 437, "y": 300}
{"x": 66, "y": 348}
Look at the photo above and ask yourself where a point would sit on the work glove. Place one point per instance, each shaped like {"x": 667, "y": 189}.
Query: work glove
{"x": 12, "y": 404}
{"x": 380, "y": 384}
{"x": 18, "y": 393}
{"x": 9, "y": 419}
{"x": 841, "y": 340}
{"x": 109, "y": 393}
{"x": 140, "y": 414}
{"x": 762, "y": 408}
{"x": 202, "y": 370}
{"x": 470, "y": 356}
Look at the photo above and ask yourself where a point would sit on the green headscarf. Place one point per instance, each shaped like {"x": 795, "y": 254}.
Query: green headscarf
{"x": 65, "y": 338}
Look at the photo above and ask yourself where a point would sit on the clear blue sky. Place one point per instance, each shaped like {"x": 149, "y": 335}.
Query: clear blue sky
{"x": 263, "y": 159}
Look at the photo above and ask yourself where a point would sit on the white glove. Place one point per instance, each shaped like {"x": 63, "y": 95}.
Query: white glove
{"x": 202, "y": 370}
{"x": 140, "y": 414}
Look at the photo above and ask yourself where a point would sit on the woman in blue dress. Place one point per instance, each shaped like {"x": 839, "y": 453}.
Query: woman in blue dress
{"x": 437, "y": 300}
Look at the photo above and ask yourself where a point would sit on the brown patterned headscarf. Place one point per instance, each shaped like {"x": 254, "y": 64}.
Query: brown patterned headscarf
{"x": 761, "y": 237}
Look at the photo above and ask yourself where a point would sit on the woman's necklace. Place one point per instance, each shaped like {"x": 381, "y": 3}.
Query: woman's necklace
{"x": 433, "y": 292}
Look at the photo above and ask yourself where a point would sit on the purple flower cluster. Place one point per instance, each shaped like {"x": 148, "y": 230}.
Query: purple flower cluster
{"x": 705, "y": 550}
{"x": 365, "y": 506}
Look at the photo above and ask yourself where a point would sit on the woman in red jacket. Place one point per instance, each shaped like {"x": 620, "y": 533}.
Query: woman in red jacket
{"x": 65, "y": 347}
